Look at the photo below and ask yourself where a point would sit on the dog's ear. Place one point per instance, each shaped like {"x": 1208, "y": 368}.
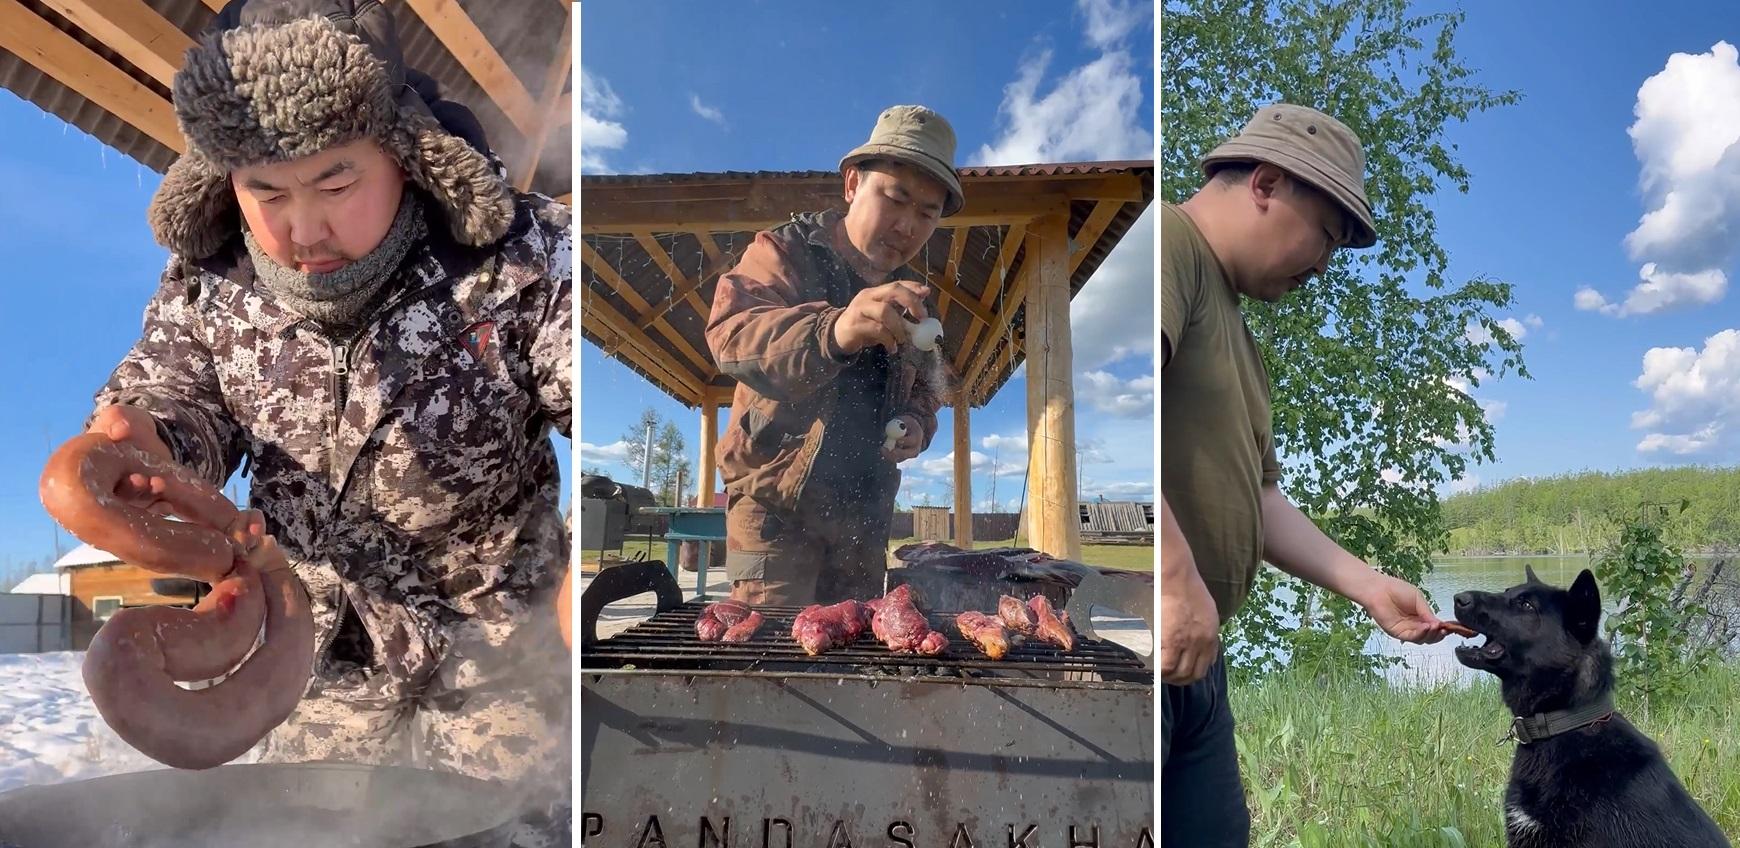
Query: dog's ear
{"x": 1529, "y": 572}
{"x": 1583, "y": 607}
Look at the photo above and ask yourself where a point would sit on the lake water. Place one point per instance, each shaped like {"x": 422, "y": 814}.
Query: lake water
{"x": 1430, "y": 664}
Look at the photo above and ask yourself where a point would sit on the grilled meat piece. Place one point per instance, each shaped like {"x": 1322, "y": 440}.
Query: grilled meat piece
{"x": 818, "y": 628}
{"x": 718, "y": 618}
{"x": 1015, "y": 615}
{"x": 1052, "y": 627}
{"x": 742, "y": 630}
{"x": 900, "y": 626}
{"x": 985, "y": 632}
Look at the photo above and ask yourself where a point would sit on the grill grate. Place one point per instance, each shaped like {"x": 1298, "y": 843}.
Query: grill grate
{"x": 667, "y": 642}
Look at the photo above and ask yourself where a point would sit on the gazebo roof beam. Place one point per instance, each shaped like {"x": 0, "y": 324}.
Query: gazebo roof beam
{"x": 460, "y": 35}
{"x": 39, "y": 43}
{"x": 132, "y": 29}
{"x": 552, "y": 110}
{"x": 957, "y": 244}
{"x": 994, "y": 282}
{"x": 703, "y": 368}
{"x": 620, "y": 326}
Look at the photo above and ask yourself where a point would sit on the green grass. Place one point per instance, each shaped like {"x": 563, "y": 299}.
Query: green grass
{"x": 1130, "y": 557}
{"x": 1365, "y": 765}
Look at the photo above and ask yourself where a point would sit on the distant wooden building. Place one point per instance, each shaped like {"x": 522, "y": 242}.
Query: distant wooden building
{"x": 100, "y": 583}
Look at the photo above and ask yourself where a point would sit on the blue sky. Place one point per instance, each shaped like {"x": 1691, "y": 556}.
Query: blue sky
{"x": 700, "y": 86}
{"x": 1559, "y": 187}
{"x": 79, "y": 264}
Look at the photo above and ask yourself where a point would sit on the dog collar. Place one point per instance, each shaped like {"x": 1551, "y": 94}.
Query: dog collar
{"x": 1529, "y": 729}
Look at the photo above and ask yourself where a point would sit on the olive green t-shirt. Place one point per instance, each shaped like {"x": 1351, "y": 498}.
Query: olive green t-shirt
{"x": 1217, "y": 447}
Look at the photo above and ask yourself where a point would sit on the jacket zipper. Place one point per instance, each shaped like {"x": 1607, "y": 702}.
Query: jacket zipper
{"x": 340, "y": 386}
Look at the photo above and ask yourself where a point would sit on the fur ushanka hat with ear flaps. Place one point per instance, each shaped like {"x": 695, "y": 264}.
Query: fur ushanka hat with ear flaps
{"x": 276, "y": 80}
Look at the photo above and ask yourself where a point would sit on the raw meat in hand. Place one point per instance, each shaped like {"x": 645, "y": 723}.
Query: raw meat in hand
{"x": 717, "y": 619}
{"x": 1015, "y": 615}
{"x": 984, "y": 631}
{"x": 742, "y": 630}
{"x": 1053, "y": 627}
{"x": 818, "y": 628}
{"x": 903, "y": 628}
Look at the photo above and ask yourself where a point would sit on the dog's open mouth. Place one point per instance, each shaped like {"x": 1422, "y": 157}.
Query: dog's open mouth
{"x": 1486, "y": 652}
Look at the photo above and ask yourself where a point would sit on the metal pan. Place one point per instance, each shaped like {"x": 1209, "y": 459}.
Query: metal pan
{"x": 261, "y": 806}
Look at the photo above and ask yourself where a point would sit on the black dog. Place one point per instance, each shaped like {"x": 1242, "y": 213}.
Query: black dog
{"x": 1583, "y": 776}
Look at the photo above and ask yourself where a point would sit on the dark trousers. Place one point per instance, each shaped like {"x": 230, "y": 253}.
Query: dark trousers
{"x": 1202, "y": 800}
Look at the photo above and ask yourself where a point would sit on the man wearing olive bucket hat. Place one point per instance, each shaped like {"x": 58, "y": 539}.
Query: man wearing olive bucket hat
{"x": 1280, "y": 198}
{"x": 360, "y": 308}
{"x": 813, "y": 322}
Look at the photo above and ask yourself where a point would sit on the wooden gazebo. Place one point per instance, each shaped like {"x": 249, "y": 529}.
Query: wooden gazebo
{"x": 1005, "y": 268}
{"x": 105, "y": 66}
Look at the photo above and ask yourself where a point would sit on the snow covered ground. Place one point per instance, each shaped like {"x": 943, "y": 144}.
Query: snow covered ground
{"x": 49, "y": 729}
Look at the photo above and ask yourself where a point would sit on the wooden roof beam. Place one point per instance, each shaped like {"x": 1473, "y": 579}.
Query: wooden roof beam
{"x": 945, "y": 284}
{"x": 748, "y": 206}
{"x": 704, "y": 369}
{"x": 599, "y": 309}
{"x": 993, "y": 285}
{"x": 42, "y": 45}
{"x": 460, "y": 35}
{"x": 957, "y": 244}
{"x": 1090, "y": 232}
{"x": 1013, "y": 301}
{"x": 551, "y": 111}
{"x": 685, "y": 288}
{"x": 144, "y": 38}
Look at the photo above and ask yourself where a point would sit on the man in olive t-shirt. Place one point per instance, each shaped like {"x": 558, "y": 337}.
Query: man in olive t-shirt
{"x": 1282, "y": 196}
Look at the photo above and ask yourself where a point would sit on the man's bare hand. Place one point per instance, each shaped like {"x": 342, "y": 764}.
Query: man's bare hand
{"x": 909, "y": 444}
{"x": 134, "y": 426}
{"x": 878, "y": 316}
{"x": 1400, "y": 609}
{"x": 1189, "y": 626}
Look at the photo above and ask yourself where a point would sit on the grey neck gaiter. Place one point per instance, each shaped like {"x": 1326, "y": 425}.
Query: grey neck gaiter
{"x": 339, "y": 300}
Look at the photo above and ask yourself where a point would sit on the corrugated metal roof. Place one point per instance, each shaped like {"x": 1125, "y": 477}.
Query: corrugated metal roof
{"x": 1058, "y": 169}
{"x": 524, "y": 32}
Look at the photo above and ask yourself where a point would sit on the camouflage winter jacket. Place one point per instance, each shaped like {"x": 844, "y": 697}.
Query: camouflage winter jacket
{"x": 407, "y": 472}
{"x": 772, "y": 329}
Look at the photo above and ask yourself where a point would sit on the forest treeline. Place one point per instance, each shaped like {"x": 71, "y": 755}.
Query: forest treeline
{"x": 1574, "y": 513}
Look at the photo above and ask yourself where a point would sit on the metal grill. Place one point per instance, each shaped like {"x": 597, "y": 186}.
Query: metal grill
{"x": 667, "y": 642}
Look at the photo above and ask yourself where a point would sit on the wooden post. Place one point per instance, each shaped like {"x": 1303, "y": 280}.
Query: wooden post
{"x": 709, "y": 437}
{"x": 963, "y": 474}
{"x": 1053, "y": 514}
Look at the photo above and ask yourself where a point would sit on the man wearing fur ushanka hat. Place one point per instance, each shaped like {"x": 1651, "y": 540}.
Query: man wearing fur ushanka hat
{"x": 361, "y": 313}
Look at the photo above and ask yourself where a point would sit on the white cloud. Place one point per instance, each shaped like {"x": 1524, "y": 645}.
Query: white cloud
{"x": 1092, "y": 113}
{"x": 708, "y": 112}
{"x": 1659, "y": 291}
{"x": 1495, "y": 409}
{"x": 944, "y": 466}
{"x": 617, "y": 451}
{"x": 1113, "y": 316}
{"x": 1132, "y": 490}
{"x": 1466, "y": 484}
{"x": 1533, "y": 321}
{"x": 1687, "y": 139}
{"x": 1694, "y": 397}
{"x": 1477, "y": 333}
{"x": 598, "y": 103}
{"x": 1123, "y": 398}
{"x": 1108, "y": 21}
{"x": 1590, "y": 300}
{"x": 1017, "y": 442}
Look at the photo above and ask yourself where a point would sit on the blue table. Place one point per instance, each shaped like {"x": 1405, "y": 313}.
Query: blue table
{"x": 691, "y": 524}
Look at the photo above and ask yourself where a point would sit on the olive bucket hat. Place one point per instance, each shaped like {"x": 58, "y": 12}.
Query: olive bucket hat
{"x": 1312, "y": 147}
{"x": 277, "y": 80}
{"x": 918, "y": 137}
